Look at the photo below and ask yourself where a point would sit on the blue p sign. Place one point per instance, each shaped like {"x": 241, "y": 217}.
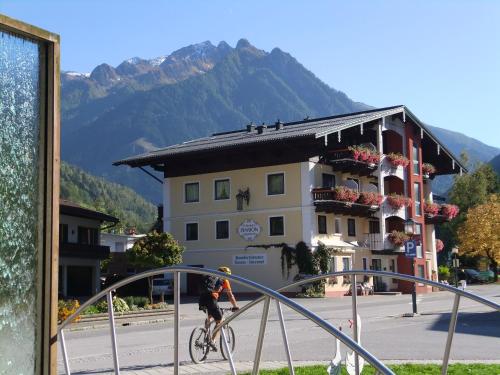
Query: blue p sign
{"x": 411, "y": 248}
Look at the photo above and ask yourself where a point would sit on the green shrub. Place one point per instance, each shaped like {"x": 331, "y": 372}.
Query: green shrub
{"x": 444, "y": 273}
{"x": 91, "y": 310}
{"x": 136, "y": 302}
{"x": 119, "y": 305}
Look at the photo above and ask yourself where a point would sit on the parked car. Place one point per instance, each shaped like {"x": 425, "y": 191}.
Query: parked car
{"x": 163, "y": 286}
{"x": 471, "y": 276}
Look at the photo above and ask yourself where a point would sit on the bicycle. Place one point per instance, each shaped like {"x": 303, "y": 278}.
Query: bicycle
{"x": 200, "y": 338}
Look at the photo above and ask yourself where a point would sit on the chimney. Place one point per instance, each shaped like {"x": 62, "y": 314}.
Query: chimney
{"x": 250, "y": 127}
{"x": 260, "y": 129}
{"x": 279, "y": 125}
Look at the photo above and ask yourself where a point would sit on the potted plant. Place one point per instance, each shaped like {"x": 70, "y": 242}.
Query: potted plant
{"x": 397, "y": 201}
{"x": 396, "y": 159}
{"x": 370, "y": 198}
{"x": 364, "y": 154}
{"x": 449, "y": 210}
{"x": 344, "y": 194}
{"x": 439, "y": 245}
{"x": 398, "y": 238}
{"x": 428, "y": 169}
{"x": 431, "y": 209}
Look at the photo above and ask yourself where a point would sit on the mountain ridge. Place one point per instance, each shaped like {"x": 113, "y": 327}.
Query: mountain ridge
{"x": 209, "y": 89}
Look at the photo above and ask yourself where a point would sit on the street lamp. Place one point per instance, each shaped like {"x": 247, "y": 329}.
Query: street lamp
{"x": 456, "y": 263}
{"x": 410, "y": 230}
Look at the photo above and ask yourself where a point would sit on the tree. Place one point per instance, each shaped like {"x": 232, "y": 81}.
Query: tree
{"x": 479, "y": 235}
{"x": 154, "y": 251}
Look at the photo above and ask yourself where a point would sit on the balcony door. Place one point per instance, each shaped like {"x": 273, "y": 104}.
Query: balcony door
{"x": 378, "y": 285}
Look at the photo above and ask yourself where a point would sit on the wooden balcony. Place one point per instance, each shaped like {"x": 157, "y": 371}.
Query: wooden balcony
{"x": 76, "y": 250}
{"x": 343, "y": 161}
{"x": 324, "y": 202}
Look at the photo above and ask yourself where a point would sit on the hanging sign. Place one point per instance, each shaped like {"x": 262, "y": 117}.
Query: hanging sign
{"x": 249, "y": 230}
{"x": 411, "y": 249}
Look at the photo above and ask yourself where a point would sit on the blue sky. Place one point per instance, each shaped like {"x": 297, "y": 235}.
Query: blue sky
{"x": 440, "y": 58}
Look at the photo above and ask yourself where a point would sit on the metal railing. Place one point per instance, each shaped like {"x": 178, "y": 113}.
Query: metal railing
{"x": 268, "y": 295}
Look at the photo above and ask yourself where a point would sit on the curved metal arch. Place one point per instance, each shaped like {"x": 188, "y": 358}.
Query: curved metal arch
{"x": 267, "y": 292}
{"x": 392, "y": 275}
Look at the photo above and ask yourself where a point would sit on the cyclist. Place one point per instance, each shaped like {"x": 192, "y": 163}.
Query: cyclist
{"x": 208, "y": 301}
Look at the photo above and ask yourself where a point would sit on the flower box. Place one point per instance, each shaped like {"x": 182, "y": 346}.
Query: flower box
{"x": 370, "y": 198}
{"x": 396, "y": 159}
{"x": 398, "y": 238}
{"x": 364, "y": 154}
{"x": 428, "y": 169}
{"x": 397, "y": 201}
{"x": 344, "y": 194}
{"x": 449, "y": 210}
{"x": 431, "y": 209}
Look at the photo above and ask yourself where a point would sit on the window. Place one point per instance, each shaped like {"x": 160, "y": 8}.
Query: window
{"x": 192, "y": 192}
{"x": 192, "y": 232}
{"x": 373, "y": 226}
{"x": 222, "y": 189}
{"x": 418, "y": 236}
{"x": 416, "y": 166}
{"x": 351, "y": 227}
{"x": 418, "y": 202}
{"x": 338, "y": 229}
{"x": 63, "y": 233}
{"x": 332, "y": 265}
{"x": 222, "y": 229}
{"x": 276, "y": 226}
{"x": 276, "y": 184}
{"x": 346, "y": 262}
{"x": 365, "y": 264}
{"x": 392, "y": 267}
{"x": 328, "y": 180}
{"x": 353, "y": 183}
{"x": 322, "y": 224}
{"x": 421, "y": 271}
{"x": 88, "y": 236}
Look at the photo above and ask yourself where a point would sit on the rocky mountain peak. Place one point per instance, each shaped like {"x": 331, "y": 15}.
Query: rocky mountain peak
{"x": 104, "y": 74}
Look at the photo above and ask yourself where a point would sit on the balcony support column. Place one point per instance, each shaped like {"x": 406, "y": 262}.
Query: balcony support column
{"x": 381, "y": 189}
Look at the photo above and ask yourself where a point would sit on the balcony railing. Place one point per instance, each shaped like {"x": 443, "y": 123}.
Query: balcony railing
{"x": 374, "y": 241}
{"x": 325, "y": 201}
{"x": 344, "y": 161}
{"x": 76, "y": 250}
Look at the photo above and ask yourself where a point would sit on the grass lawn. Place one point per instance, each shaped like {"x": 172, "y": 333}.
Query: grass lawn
{"x": 454, "y": 369}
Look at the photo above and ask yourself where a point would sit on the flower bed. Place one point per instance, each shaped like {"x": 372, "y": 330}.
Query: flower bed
{"x": 396, "y": 159}
{"x": 397, "y": 201}
{"x": 428, "y": 169}
{"x": 431, "y": 209}
{"x": 370, "y": 198}
{"x": 361, "y": 153}
{"x": 449, "y": 210}
{"x": 398, "y": 238}
{"x": 345, "y": 194}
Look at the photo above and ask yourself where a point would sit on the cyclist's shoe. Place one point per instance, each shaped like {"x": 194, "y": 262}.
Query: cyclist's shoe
{"x": 212, "y": 346}
{"x": 233, "y": 309}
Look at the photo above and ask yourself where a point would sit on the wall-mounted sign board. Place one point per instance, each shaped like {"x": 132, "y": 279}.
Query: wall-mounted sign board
{"x": 250, "y": 260}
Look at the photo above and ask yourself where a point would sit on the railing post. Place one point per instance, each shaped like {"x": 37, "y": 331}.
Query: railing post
{"x": 354, "y": 293}
{"x": 111, "y": 315}
{"x": 177, "y": 292}
{"x": 64, "y": 352}
{"x": 285, "y": 338}
{"x": 228, "y": 350}
{"x": 451, "y": 331}
{"x": 260, "y": 339}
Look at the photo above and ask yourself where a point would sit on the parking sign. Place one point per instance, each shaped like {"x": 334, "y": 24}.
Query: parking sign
{"x": 411, "y": 248}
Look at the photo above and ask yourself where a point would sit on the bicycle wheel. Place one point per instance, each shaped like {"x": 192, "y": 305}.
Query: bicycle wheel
{"x": 198, "y": 345}
{"x": 231, "y": 343}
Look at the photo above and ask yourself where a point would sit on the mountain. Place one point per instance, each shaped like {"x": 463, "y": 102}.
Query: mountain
{"x": 116, "y": 112}
{"x": 97, "y": 193}
{"x": 495, "y": 163}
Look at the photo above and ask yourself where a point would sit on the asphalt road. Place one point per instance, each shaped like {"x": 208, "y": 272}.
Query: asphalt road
{"x": 384, "y": 332}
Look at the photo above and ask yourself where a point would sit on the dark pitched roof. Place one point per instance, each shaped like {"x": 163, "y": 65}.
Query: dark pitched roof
{"x": 313, "y": 128}
{"x": 73, "y": 209}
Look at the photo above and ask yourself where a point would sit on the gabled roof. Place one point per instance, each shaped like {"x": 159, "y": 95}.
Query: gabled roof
{"x": 307, "y": 128}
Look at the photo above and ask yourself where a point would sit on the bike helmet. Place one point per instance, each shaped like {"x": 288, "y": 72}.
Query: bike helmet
{"x": 225, "y": 269}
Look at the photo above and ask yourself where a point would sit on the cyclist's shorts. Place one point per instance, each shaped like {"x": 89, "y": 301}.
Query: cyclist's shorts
{"x": 211, "y": 305}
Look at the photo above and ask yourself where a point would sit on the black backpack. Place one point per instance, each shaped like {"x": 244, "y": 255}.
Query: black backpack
{"x": 209, "y": 283}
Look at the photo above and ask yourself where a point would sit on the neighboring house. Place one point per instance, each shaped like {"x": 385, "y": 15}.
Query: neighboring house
{"x": 80, "y": 252}
{"x": 118, "y": 245}
{"x": 274, "y": 184}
